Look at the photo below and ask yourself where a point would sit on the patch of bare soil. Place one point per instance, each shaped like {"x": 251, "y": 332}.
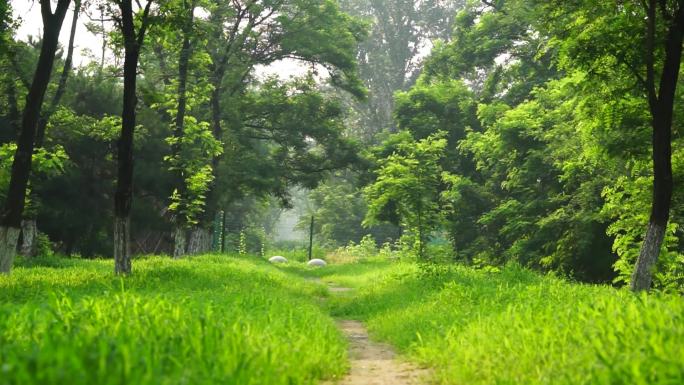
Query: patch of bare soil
{"x": 374, "y": 363}
{"x": 336, "y": 289}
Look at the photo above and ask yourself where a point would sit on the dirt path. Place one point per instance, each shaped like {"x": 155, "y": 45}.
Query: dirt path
{"x": 373, "y": 363}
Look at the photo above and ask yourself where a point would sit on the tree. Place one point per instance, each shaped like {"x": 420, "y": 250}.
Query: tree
{"x": 123, "y": 198}
{"x": 654, "y": 66}
{"x": 244, "y": 34}
{"x": 391, "y": 58}
{"x": 661, "y": 100}
{"x": 11, "y": 214}
{"x": 406, "y": 190}
{"x": 29, "y": 228}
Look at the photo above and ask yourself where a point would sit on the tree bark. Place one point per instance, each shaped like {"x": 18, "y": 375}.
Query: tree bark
{"x": 14, "y": 115}
{"x": 29, "y": 232}
{"x": 8, "y": 247}
{"x": 200, "y": 241}
{"x": 11, "y": 215}
{"x": 661, "y": 105}
{"x": 123, "y": 197}
{"x": 122, "y": 245}
{"x": 179, "y": 242}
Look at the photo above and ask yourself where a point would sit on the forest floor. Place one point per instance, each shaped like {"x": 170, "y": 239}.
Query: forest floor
{"x": 218, "y": 319}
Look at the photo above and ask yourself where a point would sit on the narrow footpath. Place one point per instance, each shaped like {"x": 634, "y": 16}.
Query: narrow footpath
{"x": 373, "y": 363}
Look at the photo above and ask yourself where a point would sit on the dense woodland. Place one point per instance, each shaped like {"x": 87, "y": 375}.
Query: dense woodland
{"x": 491, "y": 191}
{"x": 542, "y": 132}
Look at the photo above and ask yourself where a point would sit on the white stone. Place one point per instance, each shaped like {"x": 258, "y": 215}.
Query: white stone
{"x": 277, "y": 259}
{"x": 317, "y": 262}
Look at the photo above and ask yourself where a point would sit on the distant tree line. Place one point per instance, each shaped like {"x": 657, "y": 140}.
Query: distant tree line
{"x": 542, "y": 132}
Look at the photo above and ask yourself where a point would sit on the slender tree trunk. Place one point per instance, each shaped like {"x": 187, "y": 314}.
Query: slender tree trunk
{"x": 11, "y": 215}
{"x": 122, "y": 245}
{"x": 123, "y": 197}
{"x": 420, "y": 235}
{"x": 217, "y": 131}
{"x": 29, "y": 227}
{"x": 180, "y": 248}
{"x": 14, "y": 114}
{"x": 104, "y": 40}
{"x": 61, "y": 86}
{"x": 661, "y": 106}
{"x": 222, "y": 239}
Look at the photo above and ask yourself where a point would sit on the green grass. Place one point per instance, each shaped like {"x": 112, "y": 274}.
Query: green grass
{"x": 514, "y": 326}
{"x": 203, "y": 320}
{"x": 224, "y": 320}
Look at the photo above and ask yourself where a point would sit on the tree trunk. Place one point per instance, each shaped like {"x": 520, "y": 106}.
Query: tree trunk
{"x": 648, "y": 256}
{"x": 123, "y": 197}
{"x": 661, "y": 108}
{"x": 29, "y": 228}
{"x": 122, "y": 245}
{"x": 14, "y": 115}
{"x": 29, "y": 232}
{"x": 61, "y": 86}
{"x": 211, "y": 200}
{"x": 200, "y": 241}
{"x": 222, "y": 238}
{"x": 12, "y": 212}
{"x": 8, "y": 247}
{"x": 179, "y": 242}
{"x": 180, "y": 239}
{"x": 660, "y": 207}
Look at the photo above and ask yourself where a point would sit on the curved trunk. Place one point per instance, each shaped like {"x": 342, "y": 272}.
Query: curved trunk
{"x": 661, "y": 105}
{"x": 12, "y": 212}
{"x": 61, "y": 86}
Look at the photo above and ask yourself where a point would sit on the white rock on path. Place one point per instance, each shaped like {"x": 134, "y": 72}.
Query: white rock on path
{"x": 277, "y": 259}
{"x": 317, "y": 262}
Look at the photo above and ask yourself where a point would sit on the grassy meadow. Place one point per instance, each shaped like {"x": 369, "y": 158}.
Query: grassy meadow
{"x": 227, "y": 320}
{"x": 515, "y": 326}
{"x": 202, "y": 320}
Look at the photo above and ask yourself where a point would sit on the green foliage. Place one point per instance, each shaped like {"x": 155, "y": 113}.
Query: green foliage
{"x": 406, "y": 189}
{"x": 514, "y": 326}
{"x": 210, "y": 320}
{"x": 635, "y": 191}
{"x": 47, "y": 163}
{"x": 542, "y": 111}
